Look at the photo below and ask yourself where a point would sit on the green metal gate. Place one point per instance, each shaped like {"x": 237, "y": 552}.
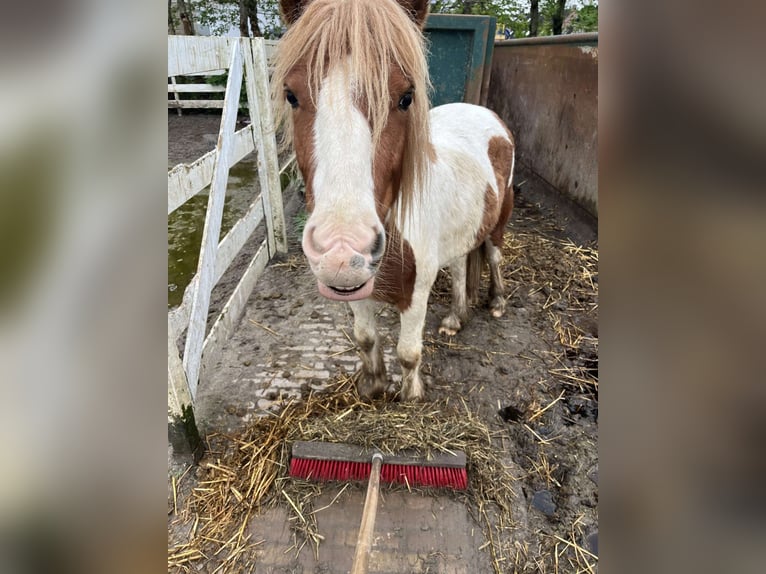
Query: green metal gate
{"x": 460, "y": 57}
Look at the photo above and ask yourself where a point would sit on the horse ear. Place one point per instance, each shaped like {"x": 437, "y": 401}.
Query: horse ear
{"x": 417, "y": 9}
{"x": 292, "y": 9}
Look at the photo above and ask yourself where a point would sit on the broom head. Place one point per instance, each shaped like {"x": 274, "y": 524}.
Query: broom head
{"x": 336, "y": 461}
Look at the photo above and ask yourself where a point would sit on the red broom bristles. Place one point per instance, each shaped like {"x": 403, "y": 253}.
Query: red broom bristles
{"x": 413, "y": 475}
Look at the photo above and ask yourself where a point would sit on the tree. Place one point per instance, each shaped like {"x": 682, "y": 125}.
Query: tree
{"x": 251, "y": 17}
{"x": 171, "y": 19}
{"x": 534, "y": 17}
{"x": 187, "y": 19}
{"x": 557, "y": 17}
{"x": 509, "y": 13}
{"x": 248, "y": 13}
{"x": 586, "y": 19}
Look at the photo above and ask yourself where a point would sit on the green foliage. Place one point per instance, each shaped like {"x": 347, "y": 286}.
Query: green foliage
{"x": 221, "y": 15}
{"x": 217, "y": 15}
{"x": 547, "y": 9}
{"x": 576, "y": 19}
{"x": 514, "y": 14}
{"x": 511, "y": 14}
{"x": 586, "y": 19}
{"x": 219, "y": 80}
{"x": 299, "y": 220}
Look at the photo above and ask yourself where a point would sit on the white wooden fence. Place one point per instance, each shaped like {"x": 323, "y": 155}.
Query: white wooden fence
{"x": 193, "y": 55}
{"x": 203, "y": 87}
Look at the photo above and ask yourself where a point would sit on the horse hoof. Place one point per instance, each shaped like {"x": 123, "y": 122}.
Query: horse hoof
{"x": 370, "y": 388}
{"x": 497, "y": 307}
{"x": 411, "y": 397}
{"x": 450, "y": 326}
{"x": 416, "y": 390}
{"x": 371, "y": 393}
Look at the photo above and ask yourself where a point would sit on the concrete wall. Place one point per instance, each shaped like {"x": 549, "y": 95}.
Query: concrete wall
{"x": 546, "y": 90}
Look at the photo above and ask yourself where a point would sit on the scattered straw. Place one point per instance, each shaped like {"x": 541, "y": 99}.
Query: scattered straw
{"x": 265, "y": 328}
{"x": 557, "y": 276}
{"x": 249, "y": 471}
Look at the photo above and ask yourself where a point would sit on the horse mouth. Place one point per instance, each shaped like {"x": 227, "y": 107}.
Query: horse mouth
{"x": 350, "y": 291}
{"x": 357, "y": 292}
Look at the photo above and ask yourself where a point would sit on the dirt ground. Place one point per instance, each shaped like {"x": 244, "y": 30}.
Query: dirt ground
{"x": 531, "y": 377}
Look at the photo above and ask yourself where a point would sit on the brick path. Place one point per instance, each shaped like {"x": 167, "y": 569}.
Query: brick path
{"x": 283, "y": 345}
{"x": 413, "y": 533}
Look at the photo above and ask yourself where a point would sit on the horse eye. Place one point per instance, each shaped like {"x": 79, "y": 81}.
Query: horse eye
{"x": 405, "y": 101}
{"x": 291, "y": 99}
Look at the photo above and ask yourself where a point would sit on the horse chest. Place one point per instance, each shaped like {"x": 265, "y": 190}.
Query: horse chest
{"x": 395, "y": 280}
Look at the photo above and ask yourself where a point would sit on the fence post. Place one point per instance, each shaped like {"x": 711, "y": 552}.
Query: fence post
{"x": 176, "y": 96}
{"x": 183, "y": 434}
{"x": 265, "y": 141}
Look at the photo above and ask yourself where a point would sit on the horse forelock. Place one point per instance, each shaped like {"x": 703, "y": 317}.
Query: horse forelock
{"x": 365, "y": 38}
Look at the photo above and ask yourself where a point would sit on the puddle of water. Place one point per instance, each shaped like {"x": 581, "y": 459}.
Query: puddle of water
{"x": 186, "y": 223}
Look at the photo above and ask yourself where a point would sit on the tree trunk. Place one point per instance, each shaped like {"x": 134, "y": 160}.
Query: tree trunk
{"x": 186, "y": 18}
{"x": 252, "y": 15}
{"x": 248, "y": 12}
{"x": 468, "y": 6}
{"x": 558, "y": 17}
{"x": 243, "y": 30}
{"x": 534, "y": 17}
{"x": 171, "y": 22}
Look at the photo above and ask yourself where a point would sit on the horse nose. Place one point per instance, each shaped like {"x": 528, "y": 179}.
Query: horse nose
{"x": 378, "y": 248}
{"x": 310, "y": 246}
{"x": 360, "y": 245}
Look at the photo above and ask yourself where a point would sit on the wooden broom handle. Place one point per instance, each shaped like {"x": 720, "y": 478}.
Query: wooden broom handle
{"x": 364, "y": 539}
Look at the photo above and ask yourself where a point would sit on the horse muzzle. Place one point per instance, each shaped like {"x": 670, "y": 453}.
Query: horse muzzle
{"x": 347, "y": 294}
{"x": 343, "y": 272}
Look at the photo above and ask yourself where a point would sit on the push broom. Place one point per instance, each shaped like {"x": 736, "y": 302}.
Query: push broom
{"x": 336, "y": 461}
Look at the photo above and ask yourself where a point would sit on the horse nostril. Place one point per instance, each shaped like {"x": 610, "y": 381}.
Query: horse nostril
{"x": 356, "y": 262}
{"x": 310, "y": 246}
{"x": 378, "y": 247}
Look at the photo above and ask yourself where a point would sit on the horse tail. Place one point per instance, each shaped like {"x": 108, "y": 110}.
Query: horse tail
{"x": 474, "y": 267}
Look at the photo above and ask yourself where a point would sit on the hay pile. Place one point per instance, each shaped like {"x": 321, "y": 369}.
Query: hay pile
{"x": 250, "y": 471}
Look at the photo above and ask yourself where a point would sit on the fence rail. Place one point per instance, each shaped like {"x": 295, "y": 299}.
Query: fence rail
{"x": 209, "y": 52}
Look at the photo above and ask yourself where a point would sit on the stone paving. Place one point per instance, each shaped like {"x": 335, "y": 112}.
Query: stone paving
{"x": 285, "y": 344}
{"x": 413, "y": 533}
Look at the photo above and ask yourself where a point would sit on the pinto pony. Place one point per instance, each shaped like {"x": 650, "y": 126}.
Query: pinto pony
{"x": 394, "y": 192}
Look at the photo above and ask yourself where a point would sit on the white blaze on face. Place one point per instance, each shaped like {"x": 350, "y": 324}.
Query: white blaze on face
{"x": 344, "y": 227}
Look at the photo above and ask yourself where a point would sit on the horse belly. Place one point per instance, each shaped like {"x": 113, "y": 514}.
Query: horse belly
{"x": 466, "y": 190}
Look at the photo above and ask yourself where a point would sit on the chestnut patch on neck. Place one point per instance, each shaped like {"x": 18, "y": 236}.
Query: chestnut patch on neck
{"x": 395, "y": 279}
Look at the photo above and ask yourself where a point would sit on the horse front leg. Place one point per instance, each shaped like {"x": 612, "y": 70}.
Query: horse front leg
{"x": 410, "y": 346}
{"x": 372, "y": 382}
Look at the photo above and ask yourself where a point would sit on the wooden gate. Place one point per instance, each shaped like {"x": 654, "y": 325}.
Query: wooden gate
{"x": 188, "y": 55}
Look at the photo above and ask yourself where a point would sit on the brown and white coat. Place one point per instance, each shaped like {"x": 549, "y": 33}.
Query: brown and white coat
{"x": 395, "y": 192}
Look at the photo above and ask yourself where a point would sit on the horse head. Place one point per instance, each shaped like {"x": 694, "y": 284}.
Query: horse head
{"x": 352, "y": 82}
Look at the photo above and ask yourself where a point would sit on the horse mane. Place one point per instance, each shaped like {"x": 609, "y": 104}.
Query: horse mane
{"x": 366, "y": 37}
